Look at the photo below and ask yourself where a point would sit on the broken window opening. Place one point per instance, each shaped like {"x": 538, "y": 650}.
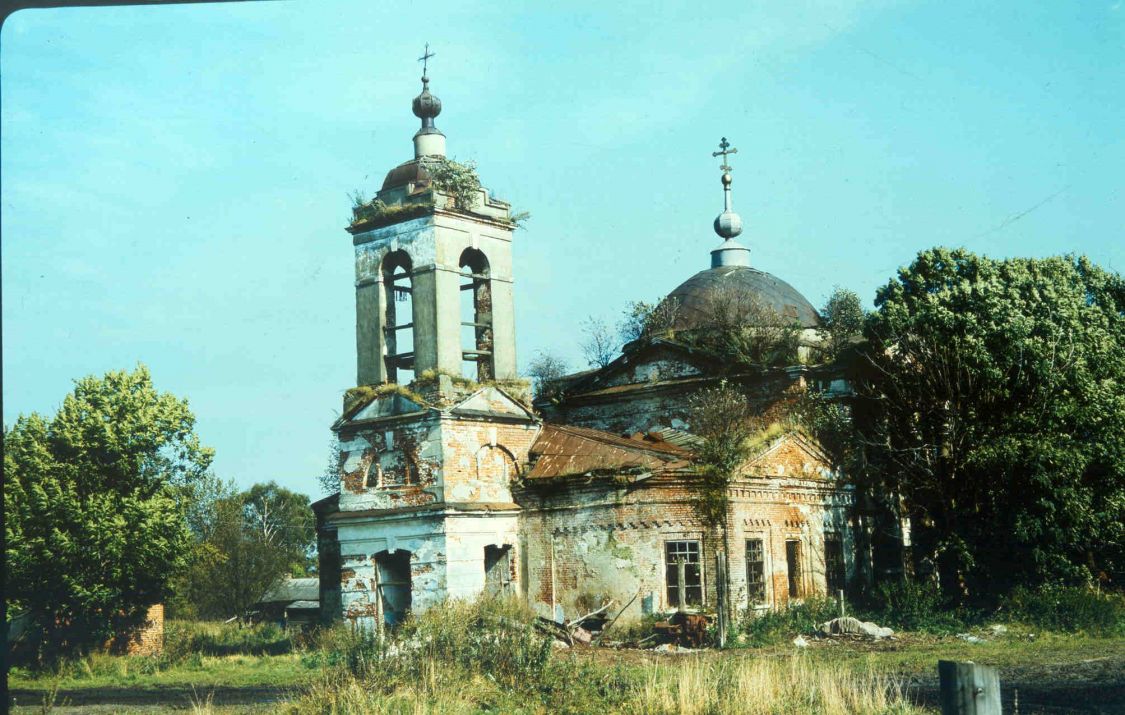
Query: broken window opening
{"x": 398, "y": 329}
{"x": 374, "y": 477}
{"x": 755, "y": 572}
{"x": 476, "y": 317}
{"x": 793, "y": 563}
{"x": 683, "y": 574}
{"x": 497, "y": 570}
{"x": 834, "y": 570}
{"x": 392, "y": 571}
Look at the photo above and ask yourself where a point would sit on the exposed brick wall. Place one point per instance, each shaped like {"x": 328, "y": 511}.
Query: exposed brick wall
{"x": 146, "y": 640}
{"x": 481, "y": 458}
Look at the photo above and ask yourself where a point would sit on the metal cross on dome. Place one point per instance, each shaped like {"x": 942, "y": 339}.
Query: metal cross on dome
{"x": 425, "y": 58}
{"x": 725, "y": 150}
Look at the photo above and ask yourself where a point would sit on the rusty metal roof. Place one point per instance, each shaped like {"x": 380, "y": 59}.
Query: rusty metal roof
{"x": 564, "y": 450}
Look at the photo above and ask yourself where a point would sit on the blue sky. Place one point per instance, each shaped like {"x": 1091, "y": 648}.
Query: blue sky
{"x": 175, "y": 179}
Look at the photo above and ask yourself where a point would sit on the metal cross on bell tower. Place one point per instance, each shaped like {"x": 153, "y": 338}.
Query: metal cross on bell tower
{"x": 725, "y": 150}
{"x": 425, "y": 59}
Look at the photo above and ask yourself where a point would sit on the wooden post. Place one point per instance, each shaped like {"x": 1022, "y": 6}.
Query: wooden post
{"x": 681, "y": 587}
{"x": 554, "y": 600}
{"x": 721, "y": 592}
{"x": 968, "y": 688}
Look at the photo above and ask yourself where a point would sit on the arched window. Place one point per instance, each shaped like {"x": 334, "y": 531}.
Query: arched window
{"x": 476, "y": 316}
{"x": 495, "y": 463}
{"x": 398, "y": 333}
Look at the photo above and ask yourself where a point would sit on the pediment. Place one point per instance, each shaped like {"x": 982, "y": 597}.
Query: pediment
{"x": 391, "y": 405}
{"x": 792, "y": 455}
{"x": 492, "y": 402}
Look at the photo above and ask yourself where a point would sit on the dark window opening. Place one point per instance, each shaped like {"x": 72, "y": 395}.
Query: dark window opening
{"x": 476, "y": 317}
{"x": 793, "y": 562}
{"x": 755, "y": 572}
{"x": 683, "y": 574}
{"x": 398, "y": 330}
{"x": 393, "y": 585}
{"x": 497, "y": 570}
{"x": 834, "y": 571}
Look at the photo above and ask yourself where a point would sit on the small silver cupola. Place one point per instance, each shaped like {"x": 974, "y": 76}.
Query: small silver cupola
{"x": 428, "y": 141}
{"x": 728, "y": 224}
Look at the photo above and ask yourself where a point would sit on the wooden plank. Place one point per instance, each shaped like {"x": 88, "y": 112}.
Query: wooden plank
{"x": 968, "y": 688}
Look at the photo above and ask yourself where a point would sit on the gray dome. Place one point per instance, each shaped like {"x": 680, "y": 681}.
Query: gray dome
{"x": 410, "y": 172}
{"x": 426, "y": 105}
{"x": 697, "y": 295}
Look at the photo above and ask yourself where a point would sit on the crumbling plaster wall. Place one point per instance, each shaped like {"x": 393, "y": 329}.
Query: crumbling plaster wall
{"x": 467, "y": 535}
{"x": 360, "y": 543}
{"x": 584, "y": 543}
{"x": 456, "y": 501}
{"x": 390, "y": 465}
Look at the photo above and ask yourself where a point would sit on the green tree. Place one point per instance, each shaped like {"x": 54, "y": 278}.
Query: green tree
{"x": 249, "y": 542}
{"x": 843, "y": 321}
{"x": 994, "y": 408}
{"x": 95, "y": 501}
{"x": 283, "y": 519}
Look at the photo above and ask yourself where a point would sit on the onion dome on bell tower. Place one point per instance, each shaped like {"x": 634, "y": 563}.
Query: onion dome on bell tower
{"x": 428, "y": 141}
{"x": 728, "y": 224}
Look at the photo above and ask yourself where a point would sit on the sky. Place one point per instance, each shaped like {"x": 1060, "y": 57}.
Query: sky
{"x": 174, "y": 180}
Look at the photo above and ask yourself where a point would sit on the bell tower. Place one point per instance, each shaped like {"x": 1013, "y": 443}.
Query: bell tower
{"x": 433, "y": 268}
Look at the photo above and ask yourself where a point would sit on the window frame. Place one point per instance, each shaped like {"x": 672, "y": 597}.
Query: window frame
{"x": 794, "y": 576}
{"x": 761, "y": 591}
{"x": 832, "y": 570}
{"x": 668, "y": 582}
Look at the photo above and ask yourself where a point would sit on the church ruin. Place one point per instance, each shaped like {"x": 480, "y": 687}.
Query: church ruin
{"x": 452, "y": 484}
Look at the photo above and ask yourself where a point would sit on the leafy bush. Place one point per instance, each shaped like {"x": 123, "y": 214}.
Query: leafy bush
{"x": 773, "y": 627}
{"x": 1067, "y": 608}
{"x": 913, "y": 606}
{"x": 456, "y": 179}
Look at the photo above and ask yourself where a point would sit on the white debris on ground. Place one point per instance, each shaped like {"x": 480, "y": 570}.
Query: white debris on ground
{"x": 848, "y": 626}
{"x": 672, "y": 648}
{"x": 998, "y": 629}
{"x": 970, "y": 638}
{"x": 800, "y": 642}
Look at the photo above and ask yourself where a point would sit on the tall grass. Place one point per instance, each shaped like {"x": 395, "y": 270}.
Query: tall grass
{"x": 214, "y": 638}
{"x": 765, "y": 685}
{"x": 486, "y": 656}
{"x": 690, "y": 685}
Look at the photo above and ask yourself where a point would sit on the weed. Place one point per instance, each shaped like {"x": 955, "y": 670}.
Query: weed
{"x": 914, "y": 606}
{"x": 773, "y": 627}
{"x": 1069, "y": 609}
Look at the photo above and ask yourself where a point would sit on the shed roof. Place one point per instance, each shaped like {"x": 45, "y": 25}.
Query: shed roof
{"x": 293, "y": 589}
